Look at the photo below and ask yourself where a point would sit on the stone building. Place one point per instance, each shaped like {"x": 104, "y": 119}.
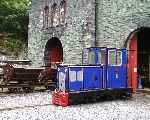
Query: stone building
{"x": 60, "y": 29}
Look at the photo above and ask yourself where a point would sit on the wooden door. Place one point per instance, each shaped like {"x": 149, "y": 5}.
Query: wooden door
{"x": 132, "y": 62}
{"x": 55, "y": 55}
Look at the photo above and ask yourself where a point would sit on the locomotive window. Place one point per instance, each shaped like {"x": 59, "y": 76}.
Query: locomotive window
{"x": 103, "y": 57}
{"x": 119, "y": 57}
{"x": 72, "y": 76}
{"x": 99, "y": 58}
{"x": 112, "y": 57}
{"x": 61, "y": 76}
{"x": 80, "y": 75}
{"x": 91, "y": 57}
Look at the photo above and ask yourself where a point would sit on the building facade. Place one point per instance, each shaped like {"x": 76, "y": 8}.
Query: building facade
{"x": 116, "y": 19}
{"x": 60, "y": 29}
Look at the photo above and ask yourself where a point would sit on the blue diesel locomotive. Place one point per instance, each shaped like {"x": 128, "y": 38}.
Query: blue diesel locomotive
{"x": 102, "y": 74}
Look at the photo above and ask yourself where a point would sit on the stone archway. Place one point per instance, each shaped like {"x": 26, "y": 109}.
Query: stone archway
{"x": 53, "y": 52}
{"x": 139, "y": 57}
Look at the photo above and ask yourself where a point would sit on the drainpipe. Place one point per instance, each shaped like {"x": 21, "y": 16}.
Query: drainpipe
{"x": 95, "y": 39}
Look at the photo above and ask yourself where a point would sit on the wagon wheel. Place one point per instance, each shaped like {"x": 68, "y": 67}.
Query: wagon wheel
{"x": 14, "y": 90}
{"x": 11, "y": 90}
{"x": 18, "y": 89}
{"x": 8, "y": 71}
{"x": 3, "y": 82}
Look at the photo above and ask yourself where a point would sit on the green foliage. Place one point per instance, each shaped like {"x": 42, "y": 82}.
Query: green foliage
{"x": 14, "y": 17}
{"x": 13, "y": 24}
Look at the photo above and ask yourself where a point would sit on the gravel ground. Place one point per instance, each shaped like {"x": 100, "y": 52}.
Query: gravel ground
{"x": 37, "y": 106}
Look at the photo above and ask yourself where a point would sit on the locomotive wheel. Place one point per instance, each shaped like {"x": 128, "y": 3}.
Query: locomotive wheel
{"x": 125, "y": 96}
{"x": 27, "y": 89}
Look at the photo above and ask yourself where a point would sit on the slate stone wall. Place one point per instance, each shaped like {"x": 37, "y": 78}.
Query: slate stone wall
{"x": 116, "y": 19}
{"x": 78, "y": 31}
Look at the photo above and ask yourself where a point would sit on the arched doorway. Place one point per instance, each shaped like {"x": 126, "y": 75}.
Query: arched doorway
{"x": 53, "y": 52}
{"x": 139, "y": 57}
{"x": 144, "y": 55}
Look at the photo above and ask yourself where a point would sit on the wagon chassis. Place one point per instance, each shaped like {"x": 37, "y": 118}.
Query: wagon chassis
{"x": 17, "y": 88}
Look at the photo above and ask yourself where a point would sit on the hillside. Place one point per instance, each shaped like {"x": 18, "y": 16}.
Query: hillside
{"x": 13, "y": 26}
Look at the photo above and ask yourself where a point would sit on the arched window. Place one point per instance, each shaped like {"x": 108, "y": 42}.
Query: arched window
{"x": 55, "y": 15}
{"x": 62, "y": 12}
{"x": 46, "y": 13}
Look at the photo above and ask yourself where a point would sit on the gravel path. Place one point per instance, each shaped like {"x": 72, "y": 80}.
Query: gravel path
{"x": 37, "y": 106}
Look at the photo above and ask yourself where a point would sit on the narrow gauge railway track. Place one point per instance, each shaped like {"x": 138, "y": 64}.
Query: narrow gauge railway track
{"x": 36, "y": 90}
{"x": 32, "y": 96}
{"x": 143, "y": 92}
{"x": 23, "y": 107}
